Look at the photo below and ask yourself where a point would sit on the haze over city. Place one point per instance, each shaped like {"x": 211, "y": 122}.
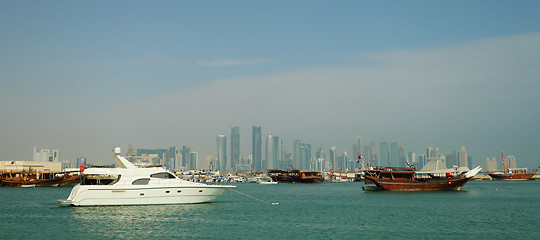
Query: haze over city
{"x": 84, "y": 77}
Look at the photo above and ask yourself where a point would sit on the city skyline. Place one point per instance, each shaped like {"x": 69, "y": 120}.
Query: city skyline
{"x": 83, "y": 77}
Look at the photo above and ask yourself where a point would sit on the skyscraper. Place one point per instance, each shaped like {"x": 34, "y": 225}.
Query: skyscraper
{"x": 462, "y": 157}
{"x": 402, "y": 157}
{"x": 333, "y": 158}
{"x": 222, "y": 152}
{"x": 271, "y": 152}
{"x": 394, "y": 156}
{"x": 235, "y": 147}
{"x": 194, "y": 157}
{"x": 185, "y": 158}
{"x": 256, "y": 148}
{"x": 384, "y": 155}
{"x": 297, "y": 162}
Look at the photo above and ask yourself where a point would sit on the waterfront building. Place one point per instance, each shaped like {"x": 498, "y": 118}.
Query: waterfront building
{"x": 256, "y": 148}
{"x": 185, "y": 158}
{"x": 161, "y": 155}
{"x": 81, "y": 161}
{"x": 421, "y": 161}
{"x": 44, "y": 155}
{"x": 462, "y": 157}
{"x": 172, "y": 158}
{"x": 212, "y": 163}
{"x": 394, "y": 156}
{"x": 332, "y": 158}
{"x": 511, "y": 161}
{"x": 235, "y": 147}
{"x": 305, "y": 156}
{"x": 451, "y": 160}
{"x": 245, "y": 164}
{"x": 222, "y": 152}
{"x": 490, "y": 165}
{"x": 194, "y": 157}
{"x": 296, "y": 154}
{"x": 271, "y": 152}
{"x": 401, "y": 156}
{"x": 374, "y": 159}
{"x": 385, "y": 155}
{"x": 347, "y": 164}
{"x": 412, "y": 158}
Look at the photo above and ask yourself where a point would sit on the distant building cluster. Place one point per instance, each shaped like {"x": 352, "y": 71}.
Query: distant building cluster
{"x": 269, "y": 153}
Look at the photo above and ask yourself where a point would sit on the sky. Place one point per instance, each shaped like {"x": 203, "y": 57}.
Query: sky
{"x": 85, "y": 76}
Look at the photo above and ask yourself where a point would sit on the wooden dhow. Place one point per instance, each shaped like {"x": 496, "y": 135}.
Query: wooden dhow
{"x": 408, "y": 179}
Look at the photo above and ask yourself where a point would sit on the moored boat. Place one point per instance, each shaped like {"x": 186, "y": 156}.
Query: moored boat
{"x": 31, "y": 178}
{"x": 130, "y": 185}
{"x": 295, "y": 176}
{"x": 408, "y": 179}
{"x": 511, "y": 173}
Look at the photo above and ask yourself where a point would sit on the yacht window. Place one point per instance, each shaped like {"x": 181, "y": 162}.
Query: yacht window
{"x": 162, "y": 175}
{"x": 141, "y": 181}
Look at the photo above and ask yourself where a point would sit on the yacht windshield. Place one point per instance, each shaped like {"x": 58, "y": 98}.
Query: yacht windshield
{"x": 162, "y": 175}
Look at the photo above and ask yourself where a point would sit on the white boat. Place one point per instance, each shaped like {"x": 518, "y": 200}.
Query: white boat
{"x": 130, "y": 185}
{"x": 265, "y": 180}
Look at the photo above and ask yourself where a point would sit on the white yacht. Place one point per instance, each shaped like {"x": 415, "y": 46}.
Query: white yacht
{"x": 130, "y": 185}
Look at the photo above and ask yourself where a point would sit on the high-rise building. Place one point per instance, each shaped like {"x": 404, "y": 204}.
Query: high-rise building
{"x": 374, "y": 159}
{"x": 235, "y": 147}
{"x": 333, "y": 158}
{"x": 511, "y": 161}
{"x": 385, "y": 155}
{"x": 56, "y": 155}
{"x": 271, "y": 152}
{"x": 172, "y": 158}
{"x": 194, "y": 157}
{"x": 297, "y": 162}
{"x": 305, "y": 156}
{"x": 412, "y": 159}
{"x": 256, "y": 148}
{"x": 490, "y": 165}
{"x": 222, "y": 152}
{"x": 81, "y": 161}
{"x": 401, "y": 156}
{"x": 394, "y": 156}
{"x": 186, "y": 161}
{"x": 462, "y": 157}
{"x": 211, "y": 163}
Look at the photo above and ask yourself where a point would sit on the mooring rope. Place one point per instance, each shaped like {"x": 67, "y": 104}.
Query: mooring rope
{"x": 254, "y": 197}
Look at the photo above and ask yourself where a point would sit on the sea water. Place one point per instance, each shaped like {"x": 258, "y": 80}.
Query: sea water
{"x": 482, "y": 210}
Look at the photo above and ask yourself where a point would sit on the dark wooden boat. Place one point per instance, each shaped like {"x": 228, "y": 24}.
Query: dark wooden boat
{"x": 513, "y": 174}
{"x": 36, "y": 179}
{"x": 407, "y": 179}
{"x": 295, "y": 176}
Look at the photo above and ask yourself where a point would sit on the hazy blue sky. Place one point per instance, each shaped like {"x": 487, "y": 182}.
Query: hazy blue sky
{"x": 84, "y": 76}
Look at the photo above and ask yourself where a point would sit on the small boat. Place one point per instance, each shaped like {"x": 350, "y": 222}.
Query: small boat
{"x": 408, "y": 179}
{"x": 295, "y": 176}
{"x": 131, "y": 185}
{"x": 265, "y": 180}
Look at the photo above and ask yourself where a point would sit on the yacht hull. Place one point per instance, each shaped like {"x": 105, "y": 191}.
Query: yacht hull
{"x": 107, "y": 196}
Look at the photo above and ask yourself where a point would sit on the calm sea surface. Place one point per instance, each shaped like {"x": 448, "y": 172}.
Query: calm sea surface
{"x": 482, "y": 210}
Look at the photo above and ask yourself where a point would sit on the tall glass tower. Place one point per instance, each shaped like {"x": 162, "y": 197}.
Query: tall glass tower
{"x": 394, "y": 159}
{"x": 222, "y": 152}
{"x": 270, "y": 153}
{"x": 235, "y": 147}
{"x": 385, "y": 155}
{"x": 256, "y": 148}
